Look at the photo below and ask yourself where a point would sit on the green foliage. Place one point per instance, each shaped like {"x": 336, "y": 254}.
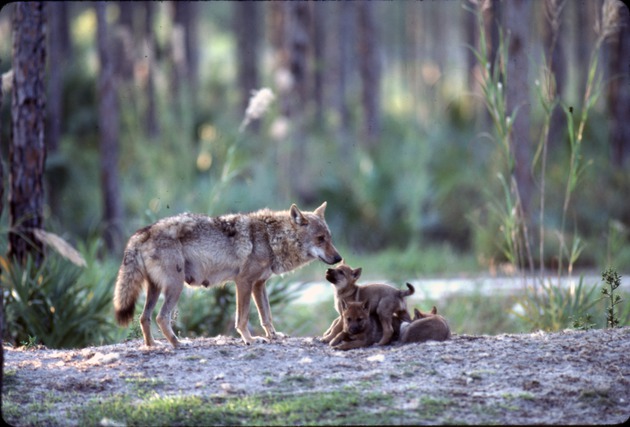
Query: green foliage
{"x": 56, "y": 304}
{"x": 210, "y": 312}
{"x": 262, "y": 409}
{"x": 550, "y": 306}
{"x": 613, "y": 281}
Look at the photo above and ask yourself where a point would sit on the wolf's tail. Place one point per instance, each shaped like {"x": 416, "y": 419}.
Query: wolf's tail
{"x": 408, "y": 292}
{"x": 129, "y": 282}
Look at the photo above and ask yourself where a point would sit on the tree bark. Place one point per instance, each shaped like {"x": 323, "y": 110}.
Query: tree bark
{"x": 554, "y": 53}
{"x": 185, "y": 49}
{"x": 345, "y": 30}
{"x": 56, "y": 61}
{"x": 518, "y": 21}
{"x": 246, "y": 26}
{"x": 370, "y": 69}
{"x": 151, "y": 121}
{"x": 27, "y": 152}
{"x": 108, "y": 121}
{"x": 619, "y": 92}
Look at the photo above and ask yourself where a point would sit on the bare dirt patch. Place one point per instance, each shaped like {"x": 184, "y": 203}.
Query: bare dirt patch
{"x": 571, "y": 377}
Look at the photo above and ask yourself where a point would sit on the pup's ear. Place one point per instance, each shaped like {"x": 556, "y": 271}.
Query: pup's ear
{"x": 297, "y": 216}
{"x": 366, "y": 305}
{"x": 344, "y": 306}
{"x": 434, "y": 310}
{"x": 416, "y": 314}
{"x": 356, "y": 273}
{"x": 320, "y": 210}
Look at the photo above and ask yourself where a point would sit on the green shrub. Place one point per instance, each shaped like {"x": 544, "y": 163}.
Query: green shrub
{"x": 548, "y": 306}
{"x": 56, "y": 304}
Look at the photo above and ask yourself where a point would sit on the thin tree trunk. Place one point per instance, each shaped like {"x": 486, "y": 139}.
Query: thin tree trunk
{"x": 246, "y": 26}
{"x": 619, "y": 92}
{"x": 370, "y": 74}
{"x": 27, "y": 152}
{"x": 108, "y": 120}
{"x": 554, "y": 53}
{"x": 518, "y": 20}
{"x": 152, "y": 126}
{"x": 318, "y": 65}
{"x": 345, "y": 31}
{"x": 56, "y": 61}
{"x": 1, "y": 298}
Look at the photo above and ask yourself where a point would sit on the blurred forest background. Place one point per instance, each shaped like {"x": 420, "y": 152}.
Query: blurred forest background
{"x": 446, "y": 136}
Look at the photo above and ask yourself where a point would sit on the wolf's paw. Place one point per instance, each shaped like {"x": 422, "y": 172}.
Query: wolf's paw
{"x": 260, "y": 340}
{"x": 279, "y": 336}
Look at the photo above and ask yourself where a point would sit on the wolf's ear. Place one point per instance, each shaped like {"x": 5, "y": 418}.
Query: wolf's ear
{"x": 320, "y": 210}
{"x": 356, "y": 273}
{"x": 297, "y": 216}
{"x": 434, "y": 310}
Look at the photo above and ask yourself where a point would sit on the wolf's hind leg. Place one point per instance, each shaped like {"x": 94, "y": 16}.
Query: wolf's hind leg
{"x": 171, "y": 294}
{"x": 153, "y": 293}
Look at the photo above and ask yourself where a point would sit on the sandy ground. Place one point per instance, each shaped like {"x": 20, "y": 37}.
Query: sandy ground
{"x": 571, "y": 377}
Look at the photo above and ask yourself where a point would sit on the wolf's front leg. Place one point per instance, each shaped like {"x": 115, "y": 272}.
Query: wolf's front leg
{"x": 243, "y": 296}
{"x": 264, "y": 310}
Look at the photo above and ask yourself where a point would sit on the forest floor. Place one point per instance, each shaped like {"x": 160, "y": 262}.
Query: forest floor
{"x": 570, "y": 377}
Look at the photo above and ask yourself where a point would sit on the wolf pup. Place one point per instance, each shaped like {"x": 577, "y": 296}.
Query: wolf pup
{"x": 203, "y": 251}
{"x": 383, "y": 300}
{"x": 425, "y": 327}
{"x": 360, "y": 329}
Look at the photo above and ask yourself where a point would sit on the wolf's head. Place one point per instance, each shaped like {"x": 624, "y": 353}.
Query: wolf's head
{"x": 343, "y": 276}
{"x": 420, "y": 315}
{"x": 356, "y": 316}
{"x": 314, "y": 234}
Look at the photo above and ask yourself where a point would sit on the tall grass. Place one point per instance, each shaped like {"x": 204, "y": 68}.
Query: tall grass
{"x": 546, "y": 303}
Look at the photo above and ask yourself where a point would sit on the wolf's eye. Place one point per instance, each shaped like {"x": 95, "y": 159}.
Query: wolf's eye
{"x": 321, "y": 238}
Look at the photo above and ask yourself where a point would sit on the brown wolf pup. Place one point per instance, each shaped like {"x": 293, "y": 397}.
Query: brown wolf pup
{"x": 203, "y": 251}
{"x": 425, "y": 327}
{"x": 383, "y": 300}
{"x": 360, "y": 329}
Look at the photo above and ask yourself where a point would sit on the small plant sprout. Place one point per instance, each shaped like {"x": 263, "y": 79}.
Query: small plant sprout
{"x": 613, "y": 281}
{"x": 258, "y": 105}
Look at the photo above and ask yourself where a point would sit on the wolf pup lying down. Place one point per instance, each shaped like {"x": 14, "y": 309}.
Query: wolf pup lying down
{"x": 203, "y": 251}
{"x": 383, "y": 300}
{"x": 360, "y": 329}
{"x": 425, "y": 327}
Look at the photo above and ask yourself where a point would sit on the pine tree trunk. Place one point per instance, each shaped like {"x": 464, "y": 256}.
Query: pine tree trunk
{"x": 151, "y": 121}
{"x": 518, "y": 21}
{"x": 108, "y": 121}
{"x": 246, "y": 26}
{"x": 619, "y": 93}
{"x": 27, "y": 152}
{"x": 370, "y": 68}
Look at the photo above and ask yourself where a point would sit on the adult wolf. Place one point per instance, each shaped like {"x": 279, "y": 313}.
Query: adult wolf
{"x": 203, "y": 251}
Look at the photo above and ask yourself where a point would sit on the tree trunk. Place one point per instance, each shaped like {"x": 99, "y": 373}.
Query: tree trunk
{"x": 318, "y": 63}
{"x": 343, "y": 65}
{"x": 518, "y": 21}
{"x": 1, "y": 298}
{"x": 185, "y": 50}
{"x": 554, "y": 54}
{"x": 108, "y": 122}
{"x": 619, "y": 93}
{"x": 126, "y": 35}
{"x": 370, "y": 69}
{"x": 246, "y": 26}
{"x": 27, "y": 152}
{"x": 56, "y": 62}
{"x": 151, "y": 121}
